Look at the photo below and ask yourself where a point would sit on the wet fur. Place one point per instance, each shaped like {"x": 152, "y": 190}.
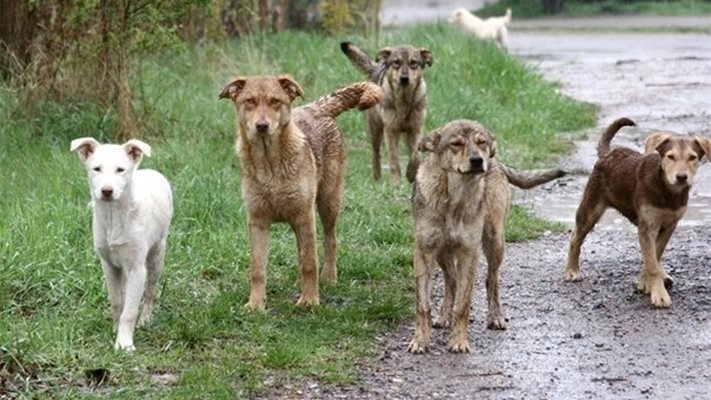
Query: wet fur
{"x": 292, "y": 165}
{"x": 461, "y": 199}
{"x": 404, "y": 107}
{"x": 647, "y": 190}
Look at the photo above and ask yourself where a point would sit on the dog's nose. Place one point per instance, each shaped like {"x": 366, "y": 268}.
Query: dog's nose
{"x": 262, "y": 126}
{"x": 404, "y": 80}
{"x": 107, "y": 192}
{"x": 476, "y": 162}
{"x": 682, "y": 177}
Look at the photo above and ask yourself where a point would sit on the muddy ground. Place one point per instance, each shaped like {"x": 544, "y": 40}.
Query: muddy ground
{"x": 598, "y": 338}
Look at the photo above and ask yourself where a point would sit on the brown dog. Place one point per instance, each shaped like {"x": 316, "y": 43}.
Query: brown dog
{"x": 400, "y": 72}
{"x": 460, "y": 201}
{"x": 651, "y": 190}
{"x": 292, "y": 163}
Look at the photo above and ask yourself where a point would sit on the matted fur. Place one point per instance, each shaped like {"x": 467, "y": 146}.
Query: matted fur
{"x": 399, "y": 70}
{"x": 292, "y": 164}
{"x": 651, "y": 190}
{"x": 461, "y": 199}
{"x": 493, "y": 28}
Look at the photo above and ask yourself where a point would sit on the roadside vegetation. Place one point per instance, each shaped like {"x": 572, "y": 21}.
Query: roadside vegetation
{"x": 584, "y": 8}
{"x": 56, "y": 336}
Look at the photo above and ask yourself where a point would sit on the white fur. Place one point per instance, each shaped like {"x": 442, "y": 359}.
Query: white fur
{"x": 132, "y": 212}
{"x": 493, "y": 28}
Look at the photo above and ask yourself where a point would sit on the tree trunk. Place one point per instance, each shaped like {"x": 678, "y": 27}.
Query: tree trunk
{"x": 17, "y": 29}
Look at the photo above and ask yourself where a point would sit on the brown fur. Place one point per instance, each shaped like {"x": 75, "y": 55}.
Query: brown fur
{"x": 651, "y": 190}
{"x": 292, "y": 164}
{"x": 399, "y": 71}
{"x": 461, "y": 199}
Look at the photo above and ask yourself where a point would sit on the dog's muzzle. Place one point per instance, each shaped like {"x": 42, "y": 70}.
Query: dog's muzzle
{"x": 404, "y": 80}
{"x": 107, "y": 193}
{"x": 262, "y": 126}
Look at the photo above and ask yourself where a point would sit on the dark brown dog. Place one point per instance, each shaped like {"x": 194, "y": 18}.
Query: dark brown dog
{"x": 292, "y": 163}
{"x": 399, "y": 71}
{"x": 461, "y": 200}
{"x": 651, "y": 190}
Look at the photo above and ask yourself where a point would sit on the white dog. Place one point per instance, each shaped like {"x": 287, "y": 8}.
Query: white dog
{"x": 132, "y": 212}
{"x": 493, "y": 28}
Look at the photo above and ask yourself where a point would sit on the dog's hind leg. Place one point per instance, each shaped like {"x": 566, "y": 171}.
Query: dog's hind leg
{"x": 154, "y": 267}
{"x": 305, "y": 230}
{"x": 663, "y": 237}
{"x": 493, "y": 244}
{"x": 328, "y": 202}
{"x": 114, "y": 284}
{"x": 589, "y": 212}
{"x": 450, "y": 289}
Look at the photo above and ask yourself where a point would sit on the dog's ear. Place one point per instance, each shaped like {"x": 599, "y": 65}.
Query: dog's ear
{"x": 290, "y": 86}
{"x": 652, "y": 143}
{"x": 84, "y": 147}
{"x": 705, "y": 145}
{"x": 232, "y": 90}
{"x": 136, "y": 149}
{"x": 492, "y": 147}
{"x": 384, "y": 54}
{"x": 429, "y": 142}
{"x": 426, "y": 57}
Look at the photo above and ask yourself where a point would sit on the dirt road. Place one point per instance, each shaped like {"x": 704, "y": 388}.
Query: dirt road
{"x": 599, "y": 338}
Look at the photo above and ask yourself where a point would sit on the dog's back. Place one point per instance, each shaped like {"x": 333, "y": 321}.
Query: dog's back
{"x": 154, "y": 201}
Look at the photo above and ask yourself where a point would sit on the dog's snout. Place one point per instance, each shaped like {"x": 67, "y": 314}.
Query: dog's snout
{"x": 682, "y": 177}
{"x": 262, "y": 126}
{"x": 107, "y": 191}
{"x": 404, "y": 79}
{"x": 476, "y": 161}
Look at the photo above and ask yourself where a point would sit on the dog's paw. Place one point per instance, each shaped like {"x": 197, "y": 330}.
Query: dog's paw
{"x": 458, "y": 345}
{"x": 668, "y": 281}
{"x": 307, "y": 301}
{"x": 573, "y": 275}
{"x": 417, "y": 346}
{"x": 145, "y": 318}
{"x": 329, "y": 276}
{"x": 124, "y": 345}
{"x": 255, "y": 306}
{"x": 497, "y": 323}
{"x": 660, "y": 298}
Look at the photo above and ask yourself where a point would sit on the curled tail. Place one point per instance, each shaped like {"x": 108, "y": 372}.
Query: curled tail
{"x": 359, "y": 59}
{"x": 362, "y": 95}
{"x": 603, "y": 144}
{"x": 527, "y": 179}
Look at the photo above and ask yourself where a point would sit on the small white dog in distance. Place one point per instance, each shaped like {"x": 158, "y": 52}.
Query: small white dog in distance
{"x": 493, "y": 28}
{"x": 132, "y": 213}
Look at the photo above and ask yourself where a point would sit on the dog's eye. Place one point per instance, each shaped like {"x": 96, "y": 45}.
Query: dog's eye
{"x": 397, "y": 63}
{"x": 671, "y": 157}
{"x": 692, "y": 157}
{"x": 274, "y": 102}
{"x": 414, "y": 64}
{"x": 97, "y": 169}
{"x": 250, "y": 102}
{"x": 120, "y": 169}
{"x": 457, "y": 145}
{"x": 480, "y": 141}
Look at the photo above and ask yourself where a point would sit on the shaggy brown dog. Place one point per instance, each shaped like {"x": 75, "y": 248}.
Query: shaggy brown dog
{"x": 292, "y": 163}
{"x": 400, "y": 72}
{"x": 460, "y": 201}
{"x": 651, "y": 190}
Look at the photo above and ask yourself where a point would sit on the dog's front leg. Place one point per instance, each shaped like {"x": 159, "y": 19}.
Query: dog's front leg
{"x": 308, "y": 260}
{"x": 114, "y": 285}
{"x": 423, "y": 315}
{"x": 663, "y": 237}
{"x": 467, "y": 268}
{"x": 651, "y": 278}
{"x": 133, "y": 292}
{"x": 259, "y": 241}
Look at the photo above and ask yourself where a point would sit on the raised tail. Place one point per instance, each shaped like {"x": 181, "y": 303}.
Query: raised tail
{"x": 527, "y": 179}
{"x": 359, "y": 59}
{"x": 603, "y": 144}
{"x": 362, "y": 95}
{"x": 507, "y": 16}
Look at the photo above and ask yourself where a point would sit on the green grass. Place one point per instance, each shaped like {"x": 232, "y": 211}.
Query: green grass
{"x": 572, "y": 8}
{"x": 56, "y": 329}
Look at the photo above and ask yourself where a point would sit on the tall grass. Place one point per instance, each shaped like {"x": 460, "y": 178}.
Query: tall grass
{"x": 55, "y": 328}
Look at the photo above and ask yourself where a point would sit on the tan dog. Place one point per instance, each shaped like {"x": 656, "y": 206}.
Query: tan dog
{"x": 650, "y": 189}
{"x": 400, "y": 72}
{"x": 460, "y": 201}
{"x": 292, "y": 163}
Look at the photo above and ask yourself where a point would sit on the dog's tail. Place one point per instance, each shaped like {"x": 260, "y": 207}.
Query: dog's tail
{"x": 359, "y": 59}
{"x": 527, "y": 179}
{"x": 507, "y": 16}
{"x": 362, "y": 95}
{"x": 603, "y": 144}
